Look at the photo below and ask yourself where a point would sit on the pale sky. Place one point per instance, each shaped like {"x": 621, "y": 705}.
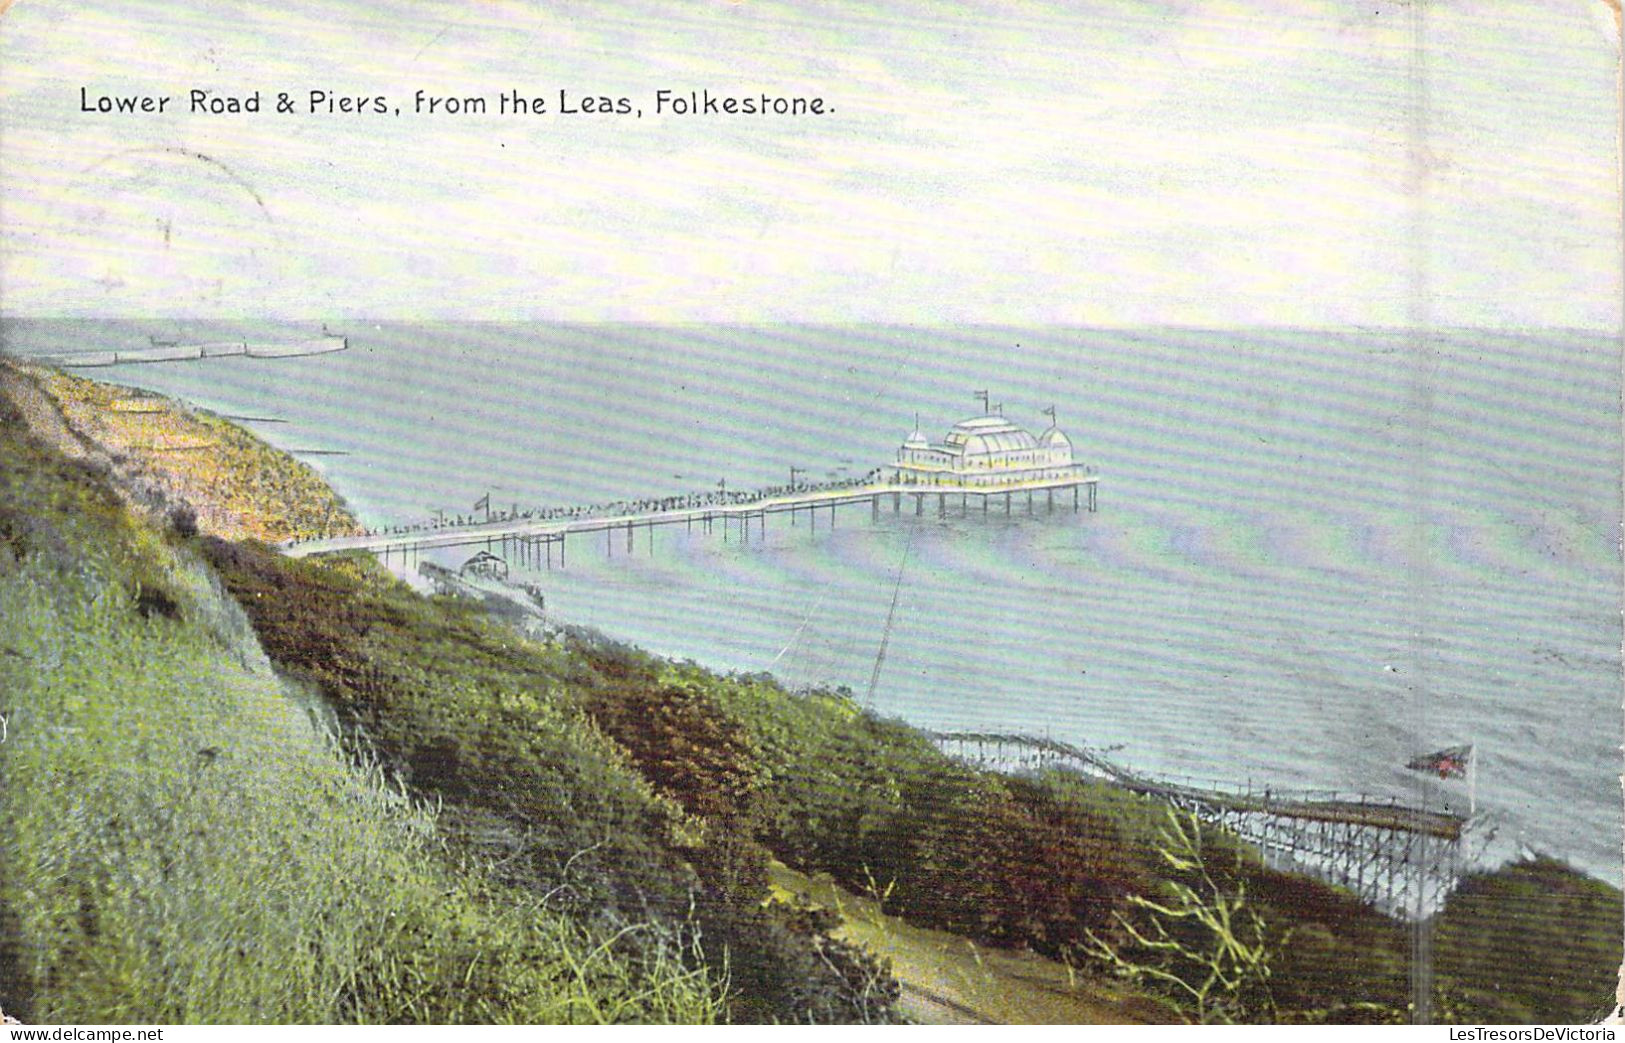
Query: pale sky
{"x": 1096, "y": 163}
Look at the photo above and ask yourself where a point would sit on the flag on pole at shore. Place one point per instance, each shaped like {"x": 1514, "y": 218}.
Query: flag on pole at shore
{"x": 1448, "y": 763}
{"x": 483, "y": 503}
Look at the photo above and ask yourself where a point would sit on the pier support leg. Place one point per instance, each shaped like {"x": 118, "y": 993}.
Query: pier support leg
{"x": 942, "y": 505}
{"x": 896, "y": 503}
{"x": 1074, "y": 499}
{"x": 1091, "y": 499}
{"x": 1029, "y": 501}
{"x": 561, "y": 550}
{"x": 1007, "y": 504}
{"x": 919, "y": 504}
{"x": 1051, "y": 494}
{"x": 874, "y": 508}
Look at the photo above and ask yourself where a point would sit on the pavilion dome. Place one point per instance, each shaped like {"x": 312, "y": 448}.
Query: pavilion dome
{"x": 988, "y": 436}
{"x": 1054, "y": 439}
{"x": 999, "y": 442}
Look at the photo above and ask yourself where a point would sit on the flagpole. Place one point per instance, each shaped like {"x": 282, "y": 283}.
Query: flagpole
{"x": 1472, "y": 778}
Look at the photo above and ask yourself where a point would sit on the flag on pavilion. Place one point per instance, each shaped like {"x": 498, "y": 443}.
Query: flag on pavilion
{"x": 1449, "y": 763}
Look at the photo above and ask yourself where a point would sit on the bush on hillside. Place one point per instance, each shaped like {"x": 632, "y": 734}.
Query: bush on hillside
{"x": 1535, "y": 941}
{"x": 603, "y": 787}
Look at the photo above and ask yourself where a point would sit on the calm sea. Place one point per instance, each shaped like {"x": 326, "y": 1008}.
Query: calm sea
{"x": 1317, "y": 554}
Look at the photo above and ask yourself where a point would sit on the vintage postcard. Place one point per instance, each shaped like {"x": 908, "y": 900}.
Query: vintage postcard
{"x": 756, "y": 512}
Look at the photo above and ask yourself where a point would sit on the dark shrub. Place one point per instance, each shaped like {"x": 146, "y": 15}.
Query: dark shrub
{"x": 183, "y": 520}
{"x": 152, "y": 601}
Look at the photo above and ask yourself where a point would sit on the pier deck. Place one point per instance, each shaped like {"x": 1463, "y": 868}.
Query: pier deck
{"x": 1330, "y": 807}
{"x": 556, "y": 529}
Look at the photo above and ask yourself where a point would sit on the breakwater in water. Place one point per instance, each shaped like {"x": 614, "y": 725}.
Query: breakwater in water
{"x": 176, "y": 352}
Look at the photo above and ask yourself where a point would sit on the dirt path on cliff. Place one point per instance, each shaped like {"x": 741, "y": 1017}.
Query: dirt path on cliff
{"x": 949, "y": 980}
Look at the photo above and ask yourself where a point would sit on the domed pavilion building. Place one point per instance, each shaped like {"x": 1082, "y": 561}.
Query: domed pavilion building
{"x": 986, "y": 451}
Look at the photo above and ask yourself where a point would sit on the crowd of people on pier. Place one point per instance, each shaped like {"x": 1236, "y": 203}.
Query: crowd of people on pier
{"x": 719, "y": 497}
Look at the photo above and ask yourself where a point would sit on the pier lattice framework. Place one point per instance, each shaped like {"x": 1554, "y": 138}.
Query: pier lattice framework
{"x": 1403, "y": 859}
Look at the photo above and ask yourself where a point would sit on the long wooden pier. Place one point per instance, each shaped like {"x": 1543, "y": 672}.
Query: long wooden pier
{"x": 1399, "y": 858}
{"x": 533, "y": 541}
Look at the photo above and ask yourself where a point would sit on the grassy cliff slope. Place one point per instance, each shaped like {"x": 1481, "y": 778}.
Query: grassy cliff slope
{"x": 182, "y": 841}
{"x": 164, "y": 456}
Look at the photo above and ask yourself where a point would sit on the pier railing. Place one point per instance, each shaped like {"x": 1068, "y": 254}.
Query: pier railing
{"x": 524, "y": 532}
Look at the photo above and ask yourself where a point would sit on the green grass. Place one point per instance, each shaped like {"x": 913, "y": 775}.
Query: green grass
{"x": 873, "y": 803}
{"x": 176, "y": 821}
{"x": 570, "y": 765}
{"x": 1033, "y": 863}
{"x": 181, "y": 842}
{"x": 238, "y": 486}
